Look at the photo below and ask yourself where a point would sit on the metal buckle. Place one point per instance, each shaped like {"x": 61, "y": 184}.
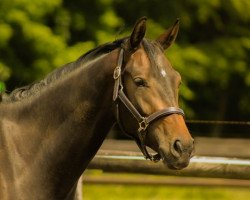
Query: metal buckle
{"x": 117, "y": 72}
{"x": 142, "y": 125}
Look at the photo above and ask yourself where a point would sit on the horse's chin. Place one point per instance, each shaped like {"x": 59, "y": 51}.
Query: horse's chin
{"x": 172, "y": 162}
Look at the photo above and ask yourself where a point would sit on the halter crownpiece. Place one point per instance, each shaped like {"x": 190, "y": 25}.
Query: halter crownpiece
{"x": 143, "y": 122}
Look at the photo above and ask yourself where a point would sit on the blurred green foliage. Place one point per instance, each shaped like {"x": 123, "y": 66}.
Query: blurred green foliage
{"x": 2, "y": 87}
{"x": 212, "y": 52}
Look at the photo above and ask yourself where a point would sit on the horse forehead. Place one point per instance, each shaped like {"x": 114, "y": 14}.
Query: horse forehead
{"x": 164, "y": 66}
{"x": 140, "y": 59}
{"x": 158, "y": 62}
{"x": 162, "y": 62}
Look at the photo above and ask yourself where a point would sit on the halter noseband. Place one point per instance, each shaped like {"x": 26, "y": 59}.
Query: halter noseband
{"x": 143, "y": 122}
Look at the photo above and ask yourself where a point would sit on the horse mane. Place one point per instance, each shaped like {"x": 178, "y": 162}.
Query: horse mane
{"x": 29, "y": 90}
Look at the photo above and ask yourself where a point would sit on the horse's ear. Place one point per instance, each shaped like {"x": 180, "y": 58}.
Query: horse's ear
{"x": 168, "y": 38}
{"x": 138, "y": 33}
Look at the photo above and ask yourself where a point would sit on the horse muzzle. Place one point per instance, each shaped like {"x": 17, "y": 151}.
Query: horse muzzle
{"x": 177, "y": 154}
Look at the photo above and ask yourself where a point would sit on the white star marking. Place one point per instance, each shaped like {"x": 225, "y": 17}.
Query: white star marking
{"x": 163, "y": 73}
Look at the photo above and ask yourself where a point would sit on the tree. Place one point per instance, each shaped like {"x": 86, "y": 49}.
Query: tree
{"x": 211, "y": 52}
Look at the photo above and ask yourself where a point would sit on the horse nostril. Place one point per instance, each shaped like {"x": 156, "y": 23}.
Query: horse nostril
{"x": 177, "y": 148}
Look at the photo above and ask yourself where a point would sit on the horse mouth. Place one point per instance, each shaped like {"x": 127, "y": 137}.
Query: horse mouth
{"x": 172, "y": 162}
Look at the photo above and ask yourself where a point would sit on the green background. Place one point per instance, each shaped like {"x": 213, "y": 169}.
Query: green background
{"x": 212, "y": 51}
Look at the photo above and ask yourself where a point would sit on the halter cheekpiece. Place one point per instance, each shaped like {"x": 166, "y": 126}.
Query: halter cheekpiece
{"x": 143, "y": 121}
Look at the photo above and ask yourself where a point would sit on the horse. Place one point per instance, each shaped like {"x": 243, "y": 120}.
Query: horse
{"x": 50, "y": 130}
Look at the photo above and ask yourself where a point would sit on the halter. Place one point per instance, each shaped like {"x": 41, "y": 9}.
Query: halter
{"x": 143, "y": 122}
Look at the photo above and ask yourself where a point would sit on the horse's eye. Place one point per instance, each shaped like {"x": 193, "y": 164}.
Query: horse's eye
{"x": 140, "y": 82}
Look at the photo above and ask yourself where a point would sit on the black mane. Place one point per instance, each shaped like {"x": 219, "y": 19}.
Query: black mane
{"x": 29, "y": 90}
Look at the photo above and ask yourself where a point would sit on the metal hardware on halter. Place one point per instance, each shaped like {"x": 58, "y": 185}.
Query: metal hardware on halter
{"x": 117, "y": 73}
{"x": 143, "y": 125}
{"x": 117, "y": 76}
{"x": 143, "y": 122}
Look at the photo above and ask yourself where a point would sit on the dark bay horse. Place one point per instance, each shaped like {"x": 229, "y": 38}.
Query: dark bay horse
{"x": 50, "y": 130}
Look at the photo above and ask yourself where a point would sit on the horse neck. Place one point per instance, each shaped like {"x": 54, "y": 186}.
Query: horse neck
{"x": 66, "y": 125}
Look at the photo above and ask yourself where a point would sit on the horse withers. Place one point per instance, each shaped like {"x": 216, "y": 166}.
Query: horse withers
{"x": 50, "y": 130}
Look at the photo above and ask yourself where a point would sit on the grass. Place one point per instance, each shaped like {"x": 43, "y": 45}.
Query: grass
{"x": 125, "y": 192}
{"x": 155, "y": 192}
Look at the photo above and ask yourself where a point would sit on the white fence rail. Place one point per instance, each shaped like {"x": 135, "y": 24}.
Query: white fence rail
{"x": 216, "y": 167}
{"x": 217, "y": 162}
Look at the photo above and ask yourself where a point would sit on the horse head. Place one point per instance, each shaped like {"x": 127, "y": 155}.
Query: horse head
{"x": 148, "y": 106}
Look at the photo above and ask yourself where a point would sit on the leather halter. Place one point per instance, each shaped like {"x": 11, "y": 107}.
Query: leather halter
{"x": 143, "y": 121}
